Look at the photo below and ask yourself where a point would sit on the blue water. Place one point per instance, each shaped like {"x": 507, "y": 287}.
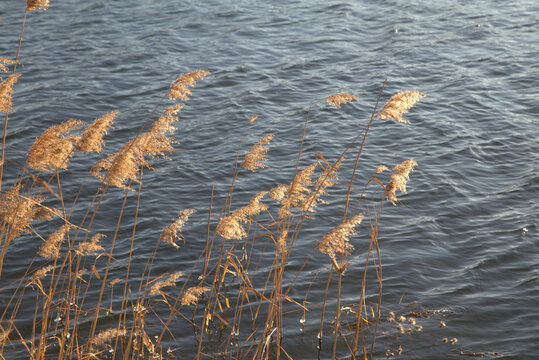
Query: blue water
{"x": 464, "y": 240}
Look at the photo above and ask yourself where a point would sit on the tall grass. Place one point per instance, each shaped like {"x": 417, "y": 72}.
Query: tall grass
{"x": 236, "y": 308}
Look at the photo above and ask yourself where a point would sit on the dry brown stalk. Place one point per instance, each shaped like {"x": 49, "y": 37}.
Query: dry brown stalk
{"x": 6, "y": 91}
{"x": 32, "y": 5}
{"x": 180, "y": 87}
{"x": 91, "y": 247}
{"x": 54, "y": 147}
{"x": 170, "y": 281}
{"x": 339, "y": 99}
{"x": 256, "y": 156}
{"x": 399, "y": 178}
{"x": 17, "y": 211}
{"x": 399, "y": 104}
{"x": 105, "y": 336}
{"x": 5, "y": 61}
{"x": 230, "y": 227}
{"x": 191, "y": 295}
{"x": 172, "y": 232}
{"x": 50, "y": 249}
{"x": 298, "y": 190}
{"x": 91, "y": 139}
{"x": 337, "y": 240}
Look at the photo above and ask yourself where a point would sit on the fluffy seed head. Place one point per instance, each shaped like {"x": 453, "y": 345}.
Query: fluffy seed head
{"x": 51, "y": 247}
{"x": 399, "y": 104}
{"x": 92, "y": 138}
{"x": 230, "y": 227}
{"x": 380, "y": 168}
{"x": 337, "y": 240}
{"x": 105, "y": 336}
{"x": 32, "y": 5}
{"x": 399, "y": 178}
{"x": 252, "y": 119}
{"x": 256, "y": 156}
{"x": 339, "y": 99}
{"x": 6, "y": 91}
{"x": 172, "y": 232}
{"x": 180, "y": 87}
{"x": 54, "y": 147}
{"x": 170, "y": 281}
{"x": 298, "y": 190}
{"x": 91, "y": 247}
{"x": 191, "y": 295}
{"x": 17, "y": 212}
{"x": 5, "y": 61}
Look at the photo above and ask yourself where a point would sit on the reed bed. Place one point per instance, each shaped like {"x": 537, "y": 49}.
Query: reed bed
{"x": 235, "y": 309}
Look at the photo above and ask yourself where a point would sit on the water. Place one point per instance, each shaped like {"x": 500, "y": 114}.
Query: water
{"x": 465, "y": 238}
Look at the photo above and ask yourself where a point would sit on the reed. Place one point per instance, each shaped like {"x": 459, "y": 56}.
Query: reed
{"x": 229, "y": 294}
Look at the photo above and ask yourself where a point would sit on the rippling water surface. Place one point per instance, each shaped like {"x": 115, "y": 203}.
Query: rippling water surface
{"x": 464, "y": 239}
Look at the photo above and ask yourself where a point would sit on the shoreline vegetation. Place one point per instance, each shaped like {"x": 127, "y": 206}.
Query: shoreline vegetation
{"x": 235, "y": 309}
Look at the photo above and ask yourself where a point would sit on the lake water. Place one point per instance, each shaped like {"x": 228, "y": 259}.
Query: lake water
{"x": 465, "y": 238}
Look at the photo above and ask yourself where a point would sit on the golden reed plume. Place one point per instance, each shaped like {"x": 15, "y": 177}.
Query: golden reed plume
{"x": 17, "y": 212}
{"x": 399, "y": 104}
{"x": 252, "y": 119}
{"x": 170, "y": 281}
{"x": 337, "y": 240}
{"x": 5, "y": 61}
{"x": 91, "y": 139}
{"x": 6, "y": 91}
{"x": 180, "y": 87}
{"x": 54, "y": 147}
{"x": 256, "y": 156}
{"x": 399, "y": 178}
{"x": 51, "y": 247}
{"x": 191, "y": 295}
{"x": 230, "y": 227}
{"x": 297, "y": 191}
{"x": 91, "y": 247}
{"x": 106, "y": 336}
{"x": 172, "y": 232}
{"x": 339, "y": 99}
{"x": 32, "y": 5}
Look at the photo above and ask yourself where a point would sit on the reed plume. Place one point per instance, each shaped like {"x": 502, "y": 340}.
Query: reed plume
{"x": 399, "y": 104}
{"x": 252, "y": 119}
{"x": 5, "y": 61}
{"x": 54, "y": 147}
{"x": 298, "y": 190}
{"x": 339, "y": 99}
{"x": 40, "y": 274}
{"x": 50, "y": 249}
{"x": 380, "y": 169}
{"x": 17, "y": 211}
{"x": 91, "y": 247}
{"x": 191, "y": 295}
{"x": 91, "y": 139}
{"x": 172, "y": 232}
{"x": 327, "y": 178}
{"x": 170, "y": 281}
{"x": 399, "y": 178}
{"x": 256, "y": 156}
{"x": 32, "y": 5}
{"x": 180, "y": 87}
{"x": 278, "y": 193}
{"x": 105, "y": 336}
{"x": 6, "y": 91}
{"x": 337, "y": 240}
{"x": 230, "y": 227}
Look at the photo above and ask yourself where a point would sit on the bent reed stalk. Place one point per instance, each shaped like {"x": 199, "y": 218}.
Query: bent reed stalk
{"x": 241, "y": 283}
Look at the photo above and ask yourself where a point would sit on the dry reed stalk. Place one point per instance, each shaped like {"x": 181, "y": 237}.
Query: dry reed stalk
{"x": 339, "y": 99}
{"x": 170, "y": 281}
{"x": 172, "y": 232}
{"x": 50, "y": 249}
{"x": 230, "y": 227}
{"x": 18, "y": 212}
{"x": 337, "y": 240}
{"x": 180, "y": 87}
{"x": 256, "y": 156}
{"x": 54, "y": 147}
{"x": 191, "y": 295}
{"x": 398, "y": 179}
{"x": 399, "y": 104}
{"x": 5, "y": 61}
{"x": 91, "y": 247}
{"x": 6, "y": 91}
{"x": 298, "y": 191}
{"x": 32, "y": 5}
{"x": 91, "y": 139}
{"x": 105, "y": 336}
